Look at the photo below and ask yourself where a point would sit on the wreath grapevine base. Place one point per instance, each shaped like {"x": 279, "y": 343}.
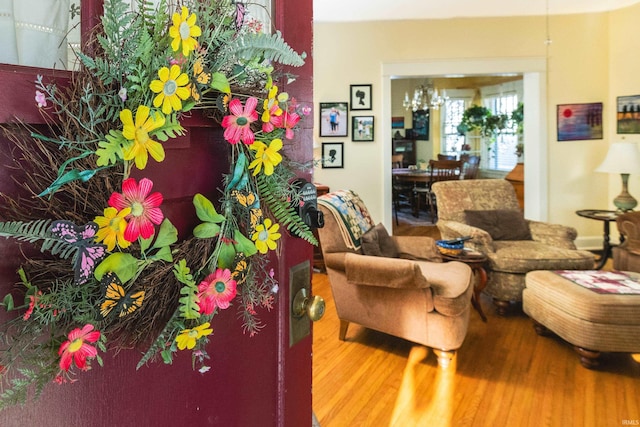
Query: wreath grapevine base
{"x": 113, "y": 273}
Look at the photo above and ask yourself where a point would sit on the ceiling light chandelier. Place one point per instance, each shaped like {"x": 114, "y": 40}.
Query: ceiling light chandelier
{"x": 425, "y": 97}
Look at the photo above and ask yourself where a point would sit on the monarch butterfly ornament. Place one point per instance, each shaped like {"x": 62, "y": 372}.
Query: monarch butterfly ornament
{"x": 116, "y": 299}
{"x": 201, "y": 77}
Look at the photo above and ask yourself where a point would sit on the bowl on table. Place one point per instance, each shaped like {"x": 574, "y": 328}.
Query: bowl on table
{"x": 451, "y": 248}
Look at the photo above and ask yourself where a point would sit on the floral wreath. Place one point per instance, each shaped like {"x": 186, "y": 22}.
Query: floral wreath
{"x": 118, "y": 269}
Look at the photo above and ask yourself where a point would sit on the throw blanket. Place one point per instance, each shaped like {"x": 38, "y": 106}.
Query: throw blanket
{"x": 351, "y": 215}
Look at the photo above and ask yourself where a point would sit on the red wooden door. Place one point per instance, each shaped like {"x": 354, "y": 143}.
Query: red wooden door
{"x": 253, "y": 381}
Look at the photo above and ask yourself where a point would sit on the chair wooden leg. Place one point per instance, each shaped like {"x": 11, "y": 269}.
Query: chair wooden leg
{"x": 344, "y": 325}
{"x": 444, "y": 357}
{"x": 502, "y": 307}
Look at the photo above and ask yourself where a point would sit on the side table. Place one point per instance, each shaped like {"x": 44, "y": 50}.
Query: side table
{"x": 476, "y": 260}
{"x": 606, "y": 217}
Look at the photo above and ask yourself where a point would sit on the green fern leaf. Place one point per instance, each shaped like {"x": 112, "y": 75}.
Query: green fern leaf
{"x": 270, "y": 46}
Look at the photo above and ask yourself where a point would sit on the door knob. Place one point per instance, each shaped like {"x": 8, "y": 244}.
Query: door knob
{"x": 304, "y": 303}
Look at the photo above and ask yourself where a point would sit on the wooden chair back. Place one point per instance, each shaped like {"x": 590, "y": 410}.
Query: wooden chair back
{"x": 471, "y": 167}
{"x": 397, "y": 160}
{"x": 447, "y": 157}
{"x": 445, "y": 170}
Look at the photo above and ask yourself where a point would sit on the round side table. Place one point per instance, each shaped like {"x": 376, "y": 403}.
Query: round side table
{"x": 476, "y": 260}
{"x": 606, "y": 217}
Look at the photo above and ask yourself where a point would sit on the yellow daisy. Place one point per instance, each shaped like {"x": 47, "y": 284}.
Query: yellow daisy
{"x": 138, "y": 133}
{"x": 188, "y": 337}
{"x": 172, "y": 87}
{"x": 111, "y": 228}
{"x": 266, "y": 156}
{"x": 265, "y": 236}
{"x": 183, "y": 31}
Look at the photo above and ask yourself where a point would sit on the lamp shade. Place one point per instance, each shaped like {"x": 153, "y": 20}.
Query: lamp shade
{"x": 622, "y": 157}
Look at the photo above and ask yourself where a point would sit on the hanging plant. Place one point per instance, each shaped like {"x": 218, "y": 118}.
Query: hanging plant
{"x": 482, "y": 120}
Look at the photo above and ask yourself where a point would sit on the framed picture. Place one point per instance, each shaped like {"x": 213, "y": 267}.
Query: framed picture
{"x": 360, "y": 97}
{"x": 579, "y": 121}
{"x": 421, "y": 125}
{"x": 332, "y": 155}
{"x": 362, "y": 128}
{"x": 397, "y": 122}
{"x": 334, "y": 118}
{"x": 628, "y": 114}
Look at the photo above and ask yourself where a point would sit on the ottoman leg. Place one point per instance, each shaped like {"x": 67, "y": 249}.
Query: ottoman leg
{"x": 588, "y": 358}
{"x": 541, "y": 329}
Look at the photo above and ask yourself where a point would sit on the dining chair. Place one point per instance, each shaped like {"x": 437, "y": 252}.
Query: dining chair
{"x": 440, "y": 170}
{"x": 471, "y": 167}
{"x": 447, "y": 157}
{"x": 401, "y": 192}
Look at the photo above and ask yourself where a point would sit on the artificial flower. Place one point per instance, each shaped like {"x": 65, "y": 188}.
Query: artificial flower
{"x": 77, "y": 349}
{"x": 145, "y": 211}
{"x": 289, "y": 120}
{"x": 172, "y": 88}
{"x": 41, "y": 99}
{"x": 183, "y": 31}
{"x": 138, "y": 133}
{"x": 111, "y": 228}
{"x": 266, "y": 156}
{"x": 265, "y": 236}
{"x": 238, "y": 124}
{"x": 32, "y": 303}
{"x": 122, "y": 93}
{"x": 188, "y": 337}
{"x": 216, "y": 290}
{"x": 271, "y": 110}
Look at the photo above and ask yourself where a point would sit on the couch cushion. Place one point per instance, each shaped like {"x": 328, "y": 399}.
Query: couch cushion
{"x": 377, "y": 242}
{"x": 523, "y": 256}
{"x": 501, "y": 224}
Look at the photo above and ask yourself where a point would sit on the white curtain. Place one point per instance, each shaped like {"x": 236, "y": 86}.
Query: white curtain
{"x": 34, "y": 32}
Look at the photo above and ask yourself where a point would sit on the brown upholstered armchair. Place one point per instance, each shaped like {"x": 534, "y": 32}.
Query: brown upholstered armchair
{"x": 488, "y": 211}
{"x": 626, "y": 257}
{"x": 401, "y": 287}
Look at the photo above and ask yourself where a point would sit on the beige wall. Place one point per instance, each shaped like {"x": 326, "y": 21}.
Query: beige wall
{"x": 591, "y": 59}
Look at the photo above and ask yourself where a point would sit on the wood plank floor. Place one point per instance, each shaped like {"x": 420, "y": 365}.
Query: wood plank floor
{"x": 503, "y": 375}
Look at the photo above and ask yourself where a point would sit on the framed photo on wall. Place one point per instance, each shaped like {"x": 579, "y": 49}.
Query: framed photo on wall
{"x": 628, "y": 114}
{"x": 334, "y": 119}
{"x": 332, "y": 155}
{"x": 421, "y": 125}
{"x": 360, "y": 97}
{"x": 362, "y": 128}
{"x": 579, "y": 121}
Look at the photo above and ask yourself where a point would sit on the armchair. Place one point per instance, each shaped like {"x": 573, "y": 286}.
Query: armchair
{"x": 513, "y": 245}
{"x": 401, "y": 287}
{"x": 626, "y": 256}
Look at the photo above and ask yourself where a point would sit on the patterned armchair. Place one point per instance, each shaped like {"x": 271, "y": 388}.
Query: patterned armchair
{"x": 488, "y": 211}
{"x": 393, "y": 284}
{"x": 626, "y": 257}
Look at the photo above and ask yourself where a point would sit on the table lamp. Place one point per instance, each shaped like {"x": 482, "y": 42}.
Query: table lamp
{"x": 622, "y": 158}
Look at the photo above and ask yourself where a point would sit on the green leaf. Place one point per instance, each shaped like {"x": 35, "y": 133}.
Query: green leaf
{"x": 226, "y": 255}
{"x": 7, "y": 302}
{"x": 167, "y": 356}
{"x": 219, "y": 82}
{"x": 206, "y": 230}
{"x": 110, "y": 151}
{"x": 146, "y": 243}
{"x": 164, "y": 254}
{"x": 123, "y": 264}
{"x": 243, "y": 244}
{"x": 72, "y": 175}
{"x": 205, "y": 209}
{"x": 167, "y": 235}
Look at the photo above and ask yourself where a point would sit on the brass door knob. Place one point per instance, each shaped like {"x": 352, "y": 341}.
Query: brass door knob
{"x": 304, "y": 303}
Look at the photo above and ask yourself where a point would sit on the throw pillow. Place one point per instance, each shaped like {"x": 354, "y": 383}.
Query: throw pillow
{"x": 501, "y": 224}
{"x": 377, "y": 242}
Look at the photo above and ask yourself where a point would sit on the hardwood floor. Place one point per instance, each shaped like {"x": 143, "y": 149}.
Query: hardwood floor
{"x": 503, "y": 375}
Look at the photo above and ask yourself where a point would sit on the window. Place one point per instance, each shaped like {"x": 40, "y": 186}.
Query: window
{"x": 452, "y": 116}
{"x": 502, "y": 154}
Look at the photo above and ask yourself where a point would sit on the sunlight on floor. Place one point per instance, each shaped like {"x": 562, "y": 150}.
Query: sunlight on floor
{"x": 424, "y": 402}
